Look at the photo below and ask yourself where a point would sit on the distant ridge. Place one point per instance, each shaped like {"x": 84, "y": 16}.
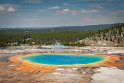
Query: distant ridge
{"x": 60, "y": 28}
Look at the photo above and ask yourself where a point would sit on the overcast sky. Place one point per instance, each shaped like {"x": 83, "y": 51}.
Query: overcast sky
{"x": 50, "y": 13}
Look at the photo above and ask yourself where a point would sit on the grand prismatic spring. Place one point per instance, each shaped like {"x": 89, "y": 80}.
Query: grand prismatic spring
{"x": 63, "y": 59}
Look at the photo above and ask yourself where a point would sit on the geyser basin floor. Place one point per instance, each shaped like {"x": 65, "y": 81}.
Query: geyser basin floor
{"x": 63, "y": 59}
{"x": 30, "y": 66}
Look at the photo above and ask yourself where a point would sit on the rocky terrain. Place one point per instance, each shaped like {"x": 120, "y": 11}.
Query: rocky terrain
{"x": 108, "y": 75}
{"x": 9, "y": 74}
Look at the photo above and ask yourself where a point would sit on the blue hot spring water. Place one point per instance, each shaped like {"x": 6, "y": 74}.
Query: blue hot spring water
{"x": 63, "y": 59}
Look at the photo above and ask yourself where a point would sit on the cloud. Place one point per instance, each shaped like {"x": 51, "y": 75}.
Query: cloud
{"x": 7, "y": 8}
{"x": 11, "y": 9}
{"x": 63, "y": 11}
{"x": 75, "y": 12}
{"x": 89, "y": 11}
{"x": 2, "y": 9}
{"x": 54, "y": 8}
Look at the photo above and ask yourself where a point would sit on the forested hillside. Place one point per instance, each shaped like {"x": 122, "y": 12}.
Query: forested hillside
{"x": 41, "y": 38}
{"x": 108, "y": 37}
{"x": 70, "y": 36}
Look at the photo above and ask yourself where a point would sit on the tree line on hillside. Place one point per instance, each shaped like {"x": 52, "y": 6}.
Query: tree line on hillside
{"x": 42, "y": 38}
{"x": 15, "y": 38}
{"x": 114, "y": 36}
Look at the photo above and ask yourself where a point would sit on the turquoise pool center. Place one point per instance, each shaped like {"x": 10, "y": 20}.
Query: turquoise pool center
{"x": 63, "y": 59}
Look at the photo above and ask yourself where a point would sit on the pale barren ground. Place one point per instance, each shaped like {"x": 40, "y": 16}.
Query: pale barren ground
{"x": 10, "y": 74}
